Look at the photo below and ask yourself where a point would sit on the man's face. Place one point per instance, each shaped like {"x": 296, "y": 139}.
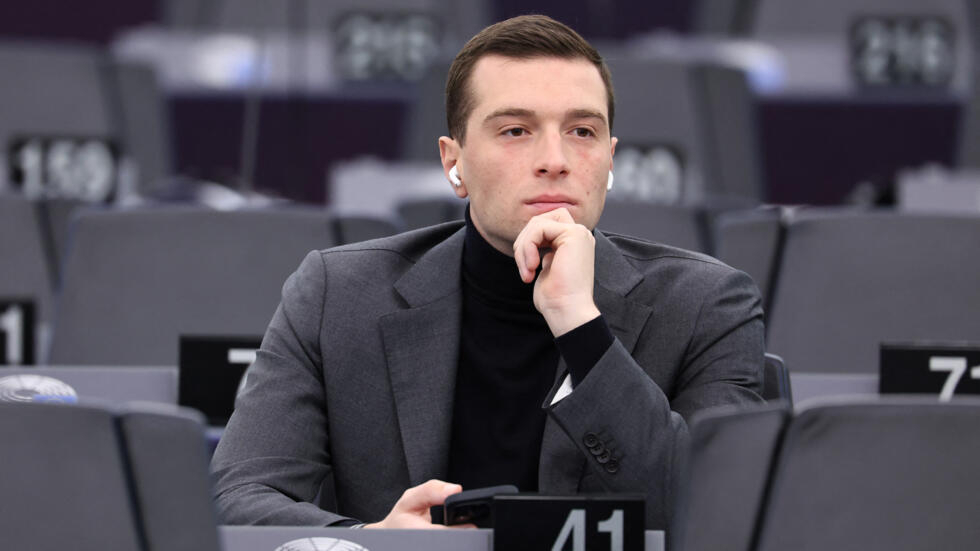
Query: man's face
{"x": 537, "y": 139}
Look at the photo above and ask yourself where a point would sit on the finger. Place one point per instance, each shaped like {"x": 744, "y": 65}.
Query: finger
{"x": 424, "y": 496}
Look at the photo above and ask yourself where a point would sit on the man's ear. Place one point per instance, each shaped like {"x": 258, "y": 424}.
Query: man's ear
{"x": 612, "y": 151}
{"x": 449, "y": 153}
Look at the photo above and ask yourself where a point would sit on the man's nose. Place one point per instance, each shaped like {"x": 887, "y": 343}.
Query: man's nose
{"x": 551, "y": 158}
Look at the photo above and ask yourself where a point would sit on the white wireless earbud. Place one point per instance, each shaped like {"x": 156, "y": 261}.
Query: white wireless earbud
{"x": 609, "y": 181}
{"x": 454, "y": 176}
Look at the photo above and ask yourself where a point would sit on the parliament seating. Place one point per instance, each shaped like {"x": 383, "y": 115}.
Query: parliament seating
{"x": 135, "y": 280}
{"x": 428, "y": 211}
{"x": 776, "y": 383}
{"x": 89, "y": 476}
{"x": 850, "y": 280}
{"x": 676, "y": 225}
{"x": 351, "y": 229}
{"x": 896, "y": 474}
{"x": 731, "y": 454}
{"x": 750, "y": 240}
{"x": 695, "y": 115}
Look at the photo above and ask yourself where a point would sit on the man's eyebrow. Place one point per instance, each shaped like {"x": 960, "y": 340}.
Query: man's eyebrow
{"x": 509, "y": 112}
{"x": 586, "y": 114}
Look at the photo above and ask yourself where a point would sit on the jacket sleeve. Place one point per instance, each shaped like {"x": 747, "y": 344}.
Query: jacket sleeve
{"x": 632, "y": 435}
{"x": 272, "y": 458}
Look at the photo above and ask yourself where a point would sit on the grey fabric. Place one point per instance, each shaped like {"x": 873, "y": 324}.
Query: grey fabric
{"x": 25, "y": 271}
{"x": 354, "y": 381}
{"x": 58, "y": 91}
{"x": 777, "y": 384}
{"x": 168, "y": 459}
{"x": 142, "y": 122}
{"x": 676, "y": 225}
{"x": 850, "y": 280}
{"x": 897, "y": 475}
{"x": 351, "y": 229}
{"x": 748, "y": 241}
{"x": 704, "y": 109}
{"x": 64, "y": 482}
{"x": 732, "y": 451}
{"x": 136, "y": 280}
{"x": 419, "y": 213}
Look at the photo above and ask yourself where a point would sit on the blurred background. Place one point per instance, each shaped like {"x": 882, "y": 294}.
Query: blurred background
{"x": 735, "y": 117}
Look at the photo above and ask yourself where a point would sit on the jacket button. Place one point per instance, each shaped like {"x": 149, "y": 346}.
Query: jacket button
{"x": 604, "y": 457}
{"x": 590, "y": 440}
{"x": 612, "y": 466}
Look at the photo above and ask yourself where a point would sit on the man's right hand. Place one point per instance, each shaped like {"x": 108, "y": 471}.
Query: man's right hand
{"x": 412, "y": 509}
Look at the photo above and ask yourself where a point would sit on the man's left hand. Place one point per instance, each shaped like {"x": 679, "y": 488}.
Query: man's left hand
{"x": 565, "y": 251}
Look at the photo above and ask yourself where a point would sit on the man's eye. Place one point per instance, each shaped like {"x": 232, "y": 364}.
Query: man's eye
{"x": 584, "y": 132}
{"x": 514, "y": 132}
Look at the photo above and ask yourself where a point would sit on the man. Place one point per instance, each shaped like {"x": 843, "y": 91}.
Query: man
{"x": 522, "y": 348}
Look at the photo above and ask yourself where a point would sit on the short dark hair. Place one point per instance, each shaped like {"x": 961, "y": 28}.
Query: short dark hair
{"x": 523, "y": 37}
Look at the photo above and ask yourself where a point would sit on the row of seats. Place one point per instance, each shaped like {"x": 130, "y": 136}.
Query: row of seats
{"x": 891, "y": 474}
{"x": 95, "y": 477}
{"x": 134, "y": 279}
{"x": 837, "y": 282}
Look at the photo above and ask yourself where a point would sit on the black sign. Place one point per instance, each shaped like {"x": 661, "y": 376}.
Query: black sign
{"x": 652, "y": 173}
{"x": 903, "y": 51}
{"x": 568, "y": 523}
{"x": 210, "y": 372}
{"x": 64, "y": 167}
{"x": 387, "y": 45}
{"x": 17, "y": 331}
{"x": 944, "y": 370}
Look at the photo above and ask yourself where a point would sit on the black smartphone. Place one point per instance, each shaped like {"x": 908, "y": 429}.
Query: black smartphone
{"x": 470, "y": 506}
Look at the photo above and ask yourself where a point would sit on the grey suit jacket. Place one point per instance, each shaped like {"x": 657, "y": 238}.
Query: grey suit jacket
{"x": 350, "y": 399}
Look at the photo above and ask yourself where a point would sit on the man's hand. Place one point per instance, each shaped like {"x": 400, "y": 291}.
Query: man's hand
{"x": 412, "y": 509}
{"x": 565, "y": 251}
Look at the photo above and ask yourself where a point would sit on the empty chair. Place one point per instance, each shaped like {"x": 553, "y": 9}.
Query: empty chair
{"x": 134, "y": 281}
{"x": 64, "y": 482}
{"x": 687, "y": 131}
{"x": 850, "y": 280}
{"x": 732, "y": 451}
{"x": 351, "y": 229}
{"x": 897, "y": 475}
{"x": 749, "y": 241}
{"x": 676, "y": 225}
{"x": 78, "y": 93}
{"x": 776, "y": 383}
{"x": 26, "y": 272}
{"x": 422, "y": 212}
{"x": 167, "y": 454}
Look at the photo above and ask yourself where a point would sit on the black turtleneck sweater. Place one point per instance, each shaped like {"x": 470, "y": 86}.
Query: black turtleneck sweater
{"x": 507, "y": 365}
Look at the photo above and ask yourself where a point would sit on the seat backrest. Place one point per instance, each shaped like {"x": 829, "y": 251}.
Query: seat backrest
{"x": 64, "y": 481}
{"x": 681, "y": 226}
{"x": 850, "y": 280}
{"x": 896, "y": 474}
{"x": 25, "y": 272}
{"x": 815, "y": 40}
{"x": 776, "y": 383}
{"x": 352, "y": 229}
{"x": 749, "y": 240}
{"x": 702, "y": 112}
{"x": 732, "y": 451}
{"x": 167, "y": 453}
{"x": 136, "y": 280}
{"x": 422, "y": 212}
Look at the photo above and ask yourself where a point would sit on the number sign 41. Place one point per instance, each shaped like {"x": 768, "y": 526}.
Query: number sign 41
{"x": 568, "y": 523}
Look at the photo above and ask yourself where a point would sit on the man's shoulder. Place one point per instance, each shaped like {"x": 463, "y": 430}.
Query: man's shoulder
{"x": 648, "y": 255}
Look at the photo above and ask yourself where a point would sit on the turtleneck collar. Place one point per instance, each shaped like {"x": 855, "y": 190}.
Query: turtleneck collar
{"x": 490, "y": 272}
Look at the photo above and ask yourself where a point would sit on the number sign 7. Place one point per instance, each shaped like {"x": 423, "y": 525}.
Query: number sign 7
{"x": 956, "y": 366}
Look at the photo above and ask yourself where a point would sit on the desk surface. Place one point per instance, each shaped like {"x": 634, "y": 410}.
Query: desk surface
{"x": 268, "y": 538}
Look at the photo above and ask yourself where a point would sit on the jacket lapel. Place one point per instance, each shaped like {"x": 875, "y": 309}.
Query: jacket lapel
{"x": 422, "y": 348}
